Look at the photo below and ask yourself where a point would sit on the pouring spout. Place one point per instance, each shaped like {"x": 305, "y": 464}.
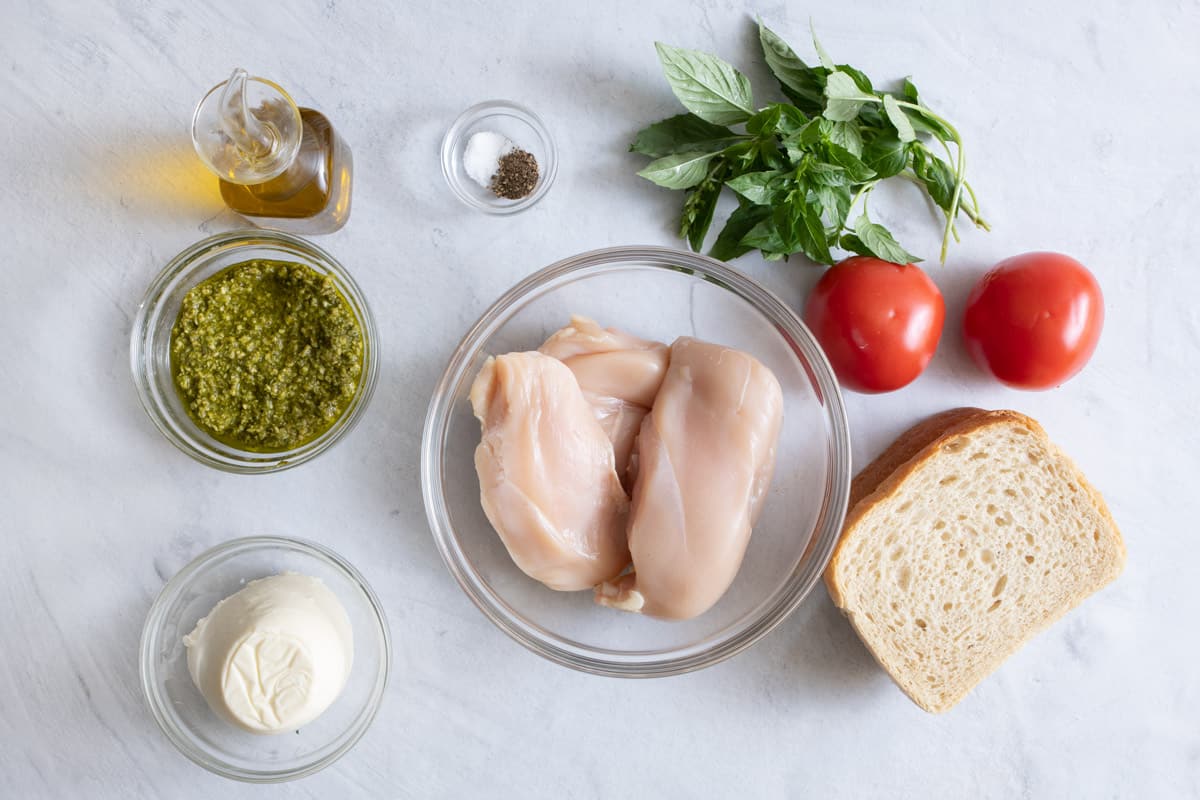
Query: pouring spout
{"x": 255, "y": 138}
{"x": 247, "y": 130}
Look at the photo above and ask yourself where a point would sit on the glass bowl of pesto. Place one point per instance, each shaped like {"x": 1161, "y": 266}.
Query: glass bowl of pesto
{"x": 254, "y": 351}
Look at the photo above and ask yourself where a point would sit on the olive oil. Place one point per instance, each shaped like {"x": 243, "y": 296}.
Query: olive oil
{"x": 281, "y": 166}
{"x": 316, "y": 187}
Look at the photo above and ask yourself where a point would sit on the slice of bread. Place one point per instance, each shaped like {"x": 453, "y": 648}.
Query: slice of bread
{"x": 964, "y": 539}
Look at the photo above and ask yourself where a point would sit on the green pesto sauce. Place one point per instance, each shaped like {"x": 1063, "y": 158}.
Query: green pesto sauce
{"x": 266, "y": 355}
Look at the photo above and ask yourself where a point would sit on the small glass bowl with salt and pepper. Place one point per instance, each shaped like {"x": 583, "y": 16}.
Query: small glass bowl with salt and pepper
{"x": 498, "y": 157}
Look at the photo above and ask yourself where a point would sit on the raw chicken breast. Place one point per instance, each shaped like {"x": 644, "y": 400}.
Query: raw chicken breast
{"x": 706, "y": 454}
{"x": 546, "y": 474}
{"x": 619, "y": 375}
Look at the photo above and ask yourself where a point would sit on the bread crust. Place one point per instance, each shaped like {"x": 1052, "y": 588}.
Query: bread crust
{"x": 886, "y": 474}
{"x": 908, "y": 446}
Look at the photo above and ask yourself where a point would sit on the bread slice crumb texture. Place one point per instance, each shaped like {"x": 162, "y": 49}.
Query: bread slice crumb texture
{"x": 964, "y": 551}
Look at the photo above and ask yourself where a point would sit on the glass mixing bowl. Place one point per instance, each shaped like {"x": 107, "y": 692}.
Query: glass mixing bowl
{"x": 179, "y": 708}
{"x": 655, "y": 293}
{"x": 150, "y": 346}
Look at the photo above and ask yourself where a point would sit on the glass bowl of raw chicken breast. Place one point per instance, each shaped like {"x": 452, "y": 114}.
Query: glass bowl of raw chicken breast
{"x": 637, "y": 462}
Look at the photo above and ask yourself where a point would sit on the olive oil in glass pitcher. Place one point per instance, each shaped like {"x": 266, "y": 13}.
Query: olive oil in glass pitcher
{"x": 281, "y": 166}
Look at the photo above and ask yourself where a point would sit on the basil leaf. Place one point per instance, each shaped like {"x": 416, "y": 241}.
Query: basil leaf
{"x": 855, "y": 168}
{"x": 729, "y": 242}
{"x": 772, "y": 158}
{"x": 835, "y": 203}
{"x": 811, "y": 103}
{"x": 789, "y": 222}
{"x": 870, "y": 117}
{"x": 860, "y": 78}
{"x": 937, "y": 176}
{"x": 886, "y": 154}
{"x": 793, "y": 227}
{"x": 811, "y": 234}
{"x": 680, "y": 133}
{"x": 765, "y": 121}
{"x": 802, "y": 84}
{"x": 845, "y": 134}
{"x": 679, "y": 170}
{"x": 804, "y": 141}
{"x": 814, "y": 133}
{"x": 707, "y": 86}
{"x": 754, "y": 155}
{"x": 879, "y": 242}
{"x": 698, "y": 213}
{"x": 844, "y": 97}
{"x": 826, "y": 61}
{"x": 822, "y": 174}
{"x": 899, "y": 120}
{"x": 853, "y": 244}
{"x": 765, "y": 236}
{"x": 795, "y": 151}
{"x": 761, "y": 188}
{"x": 744, "y": 156}
{"x": 792, "y": 120}
{"x": 922, "y": 119}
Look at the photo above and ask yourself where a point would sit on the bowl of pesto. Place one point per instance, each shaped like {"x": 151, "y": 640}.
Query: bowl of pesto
{"x": 254, "y": 351}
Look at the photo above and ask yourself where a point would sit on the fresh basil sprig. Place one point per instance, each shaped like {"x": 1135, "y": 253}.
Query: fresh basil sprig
{"x": 799, "y": 168}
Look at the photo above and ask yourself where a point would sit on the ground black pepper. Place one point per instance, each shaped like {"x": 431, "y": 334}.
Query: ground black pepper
{"x": 517, "y": 175}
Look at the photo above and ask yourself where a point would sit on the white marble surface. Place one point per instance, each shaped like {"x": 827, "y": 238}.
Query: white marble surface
{"x": 1081, "y": 121}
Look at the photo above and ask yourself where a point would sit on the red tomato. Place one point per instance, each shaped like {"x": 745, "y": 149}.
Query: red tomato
{"x": 878, "y": 322}
{"x": 1034, "y": 320}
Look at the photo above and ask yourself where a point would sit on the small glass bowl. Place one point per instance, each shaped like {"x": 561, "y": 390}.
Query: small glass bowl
{"x": 180, "y": 709}
{"x": 523, "y": 128}
{"x": 150, "y": 346}
{"x": 656, "y": 293}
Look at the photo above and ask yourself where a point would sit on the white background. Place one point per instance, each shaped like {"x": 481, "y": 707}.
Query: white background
{"x": 1081, "y": 122}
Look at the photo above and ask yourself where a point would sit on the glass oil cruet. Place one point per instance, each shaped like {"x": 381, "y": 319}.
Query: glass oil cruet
{"x": 280, "y": 165}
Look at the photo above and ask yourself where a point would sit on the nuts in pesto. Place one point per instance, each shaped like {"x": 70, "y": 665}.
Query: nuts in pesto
{"x": 266, "y": 355}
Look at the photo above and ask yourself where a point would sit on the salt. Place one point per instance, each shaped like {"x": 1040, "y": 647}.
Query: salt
{"x": 481, "y": 159}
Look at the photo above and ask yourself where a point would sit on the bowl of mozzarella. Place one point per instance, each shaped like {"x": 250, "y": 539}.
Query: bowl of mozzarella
{"x": 636, "y": 462}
